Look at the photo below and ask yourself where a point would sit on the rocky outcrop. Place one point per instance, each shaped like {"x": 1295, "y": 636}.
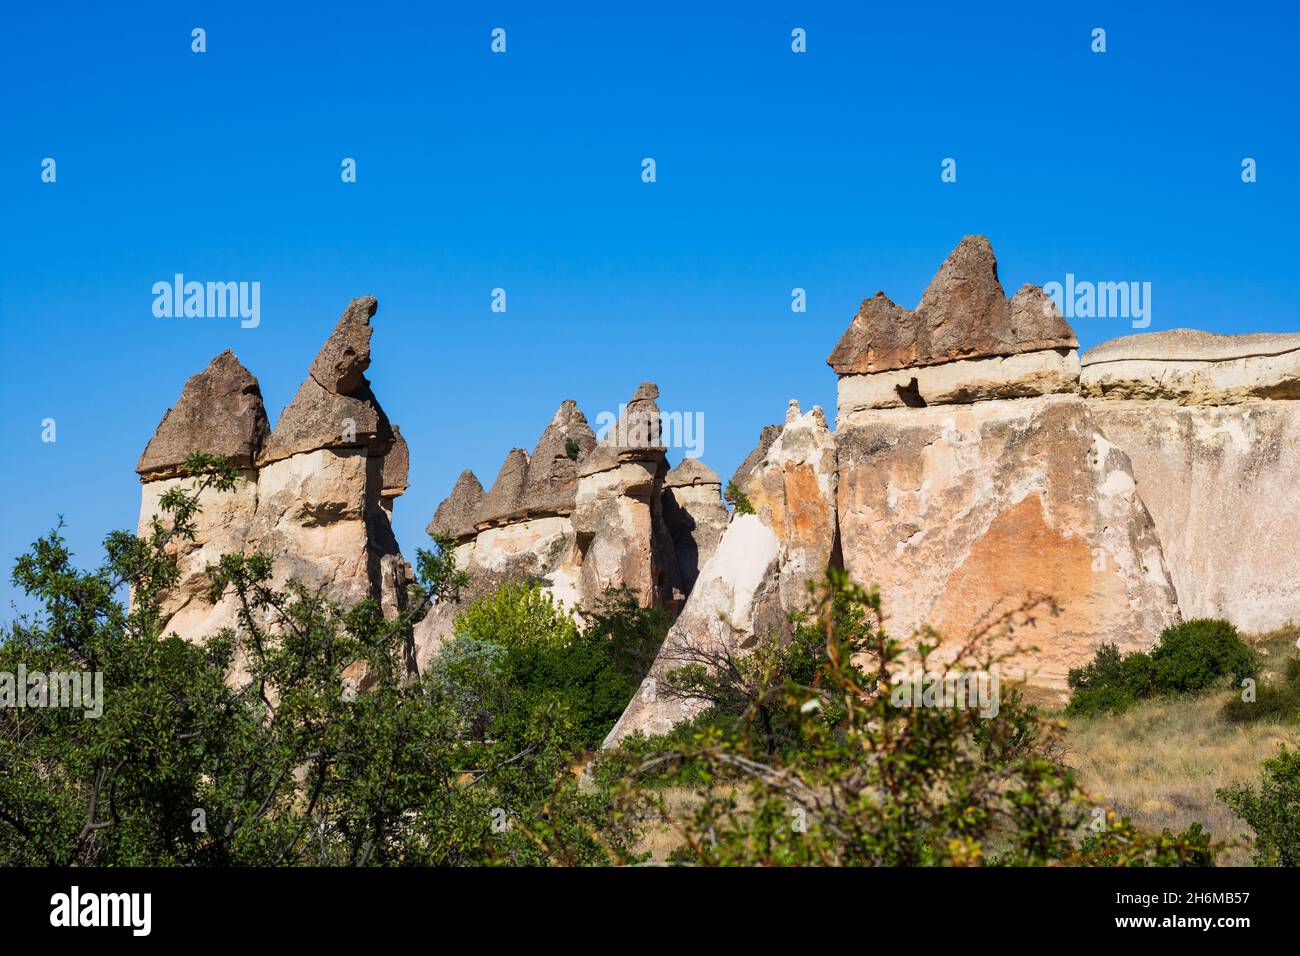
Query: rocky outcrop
{"x": 987, "y": 483}
{"x": 1212, "y": 425}
{"x": 760, "y": 572}
{"x": 576, "y": 515}
{"x": 219, "y": 412}
{"x": 316, "y": 493}
{"x": 695, "y": 516}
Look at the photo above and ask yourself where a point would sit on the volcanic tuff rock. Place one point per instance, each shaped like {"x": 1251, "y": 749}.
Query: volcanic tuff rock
{"x": 695, "y": 515}
{"x": 963, "y": 314}
{"x": 315, "y": 494}
{"x": 219, "y": 412}
{"x": 977, "y": 465}
{"x": 1212, "y": 424}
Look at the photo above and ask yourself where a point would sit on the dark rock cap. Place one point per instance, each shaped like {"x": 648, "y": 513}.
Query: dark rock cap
{"x": 504, "y": 500}
{"x": 963, "y": 314}
{"x": 318, "y": 419}
{"x": 219, "y": 411}
{"x": 397, "y": 465}
{"x": 342, "y": 361}
{"x": 455, "y": 516}
{"x": 552, "y": 483}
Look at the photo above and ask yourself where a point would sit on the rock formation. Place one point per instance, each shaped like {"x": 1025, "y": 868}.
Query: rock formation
{"x": 1212, "y": 425}
{"x": 695, "y": 515}
{"x": 977, "y": 464}
{"x": 316, "y": 493}
{"x": 576, "y": 515}
{"x": 985, "y": 482}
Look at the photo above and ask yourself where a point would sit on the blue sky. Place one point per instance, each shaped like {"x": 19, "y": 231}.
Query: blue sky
{"x": 775, "y": 170}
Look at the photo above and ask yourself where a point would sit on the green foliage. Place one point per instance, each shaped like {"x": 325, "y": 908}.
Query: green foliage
{"x": 738, "y": 499}
{"x": 518, "y": 614}
{"x": 838, "y": 774}
{"x": 326, "y": 749}
{"x": 1273, "y": 811}
{"x": 518, "y": 654}
{"x": 572, "y": 449}
{"x": 1188, "y": 657}
{"x": 1122, "y": 844}
{"x": 1280, "y": 702}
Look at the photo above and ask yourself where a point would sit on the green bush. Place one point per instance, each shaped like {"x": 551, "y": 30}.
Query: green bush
{"x": 1198, "y": 654}
{"x": 518, "y": 654}
{"x": 1279, "y": 702}
{"x": 1273, "y": 811}
{"x": 1188, "y": 657}
{"x": 739, "y": 500}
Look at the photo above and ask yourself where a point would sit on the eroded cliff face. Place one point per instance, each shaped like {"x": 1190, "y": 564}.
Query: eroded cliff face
{"x": 1212, "y": 425}
{"x": 973, "y": 481}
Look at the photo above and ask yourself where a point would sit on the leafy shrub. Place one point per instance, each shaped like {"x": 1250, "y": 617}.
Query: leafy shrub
{"x": 1279, "y": 702}
{"x": 518, "y": 654}
{"x": 1198, "y": 654}
{"x": 854, "y": 779}
{"x": 739, "y": 500}
{"x": 1273, "y": 811}
{"x": 1191, "y": 656}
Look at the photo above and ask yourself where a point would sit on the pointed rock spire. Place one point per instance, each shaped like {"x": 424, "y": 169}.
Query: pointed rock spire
{"x": 455, "y": 516}
{"x": 219, "y": 412}
{"x": 342, "y": 361}
{"x": 504, "y": 499}
{"x": 963, "y": 313}
{"x": 334, "y": 407}
{"x": 552, "y": 483}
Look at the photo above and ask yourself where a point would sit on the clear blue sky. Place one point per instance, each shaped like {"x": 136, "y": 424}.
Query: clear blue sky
{"x": 522, "y": 171}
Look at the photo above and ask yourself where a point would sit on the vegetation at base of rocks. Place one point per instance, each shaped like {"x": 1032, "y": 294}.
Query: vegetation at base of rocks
{"x": 1193, "y": 656}
{"x": 1273, "y": 811}
{"x": 517, "y": 653}
{"x": 839, "y": 774}
{"x": 320, "y": 749}
{"x": 738, "y": 499}
{"x": 301, "y": 735}
{"x": 1276, "y": 701}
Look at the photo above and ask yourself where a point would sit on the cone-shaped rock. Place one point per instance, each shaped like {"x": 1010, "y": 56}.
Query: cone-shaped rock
{"x": 219, "y": 412}
{"x": 317, "y": 418}
{"x": 963, "y": 314}
{"x": 455, "y": 516}
{"x": 552, "y": 483}
{"x": 766, "y": 437}
{"x": 637, "y": 431}
{"x": 691, "y": 471}
{"x": 341, "y": 364}
{"x": 694, "y": 515}
{"x": 505, "y": 498}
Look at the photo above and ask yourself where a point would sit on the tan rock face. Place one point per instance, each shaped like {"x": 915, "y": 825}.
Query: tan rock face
{"x": 1194, "y": 368}
{"x": 793, "y": 490}
{"x": 695, "y": 515}
{"x": 734, "y": 602}
{"x": 965, "y": 511}
{"x": 1048, "y": 372}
